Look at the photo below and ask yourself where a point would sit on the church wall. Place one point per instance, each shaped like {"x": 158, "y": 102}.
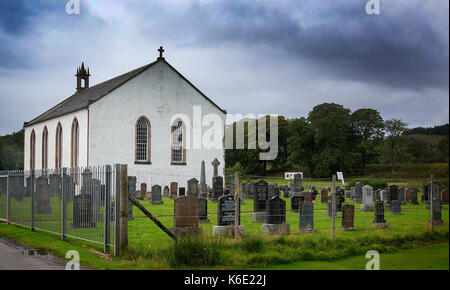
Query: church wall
{"x": 66, "y": 123}
{"x": 158, "y": 93}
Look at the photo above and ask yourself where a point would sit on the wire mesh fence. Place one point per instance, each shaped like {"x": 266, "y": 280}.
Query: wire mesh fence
{"x": 71, "y": 202}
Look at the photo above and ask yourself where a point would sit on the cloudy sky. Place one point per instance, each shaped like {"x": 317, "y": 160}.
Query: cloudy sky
{"x": 249, "y": 56}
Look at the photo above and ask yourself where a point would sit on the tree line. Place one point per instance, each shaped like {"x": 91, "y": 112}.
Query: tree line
{"x": 333, "y": 138}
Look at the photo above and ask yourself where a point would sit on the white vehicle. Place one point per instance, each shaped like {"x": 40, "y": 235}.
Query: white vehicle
{"x": 290, "y": 175}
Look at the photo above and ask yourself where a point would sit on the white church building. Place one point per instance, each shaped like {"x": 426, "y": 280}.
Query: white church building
{"x": 149, "y": 118}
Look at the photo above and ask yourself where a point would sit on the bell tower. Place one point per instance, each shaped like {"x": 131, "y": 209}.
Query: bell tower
{"x": 82, "y": 78}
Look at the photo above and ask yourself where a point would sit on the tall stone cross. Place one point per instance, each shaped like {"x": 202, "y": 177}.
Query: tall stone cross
{"x": 161, "y": 50}
{"x": 215, "y": 163}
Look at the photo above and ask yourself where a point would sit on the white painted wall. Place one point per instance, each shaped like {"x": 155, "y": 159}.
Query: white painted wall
{"x": 66, "y": 123}
{"x": 158, "y": 93}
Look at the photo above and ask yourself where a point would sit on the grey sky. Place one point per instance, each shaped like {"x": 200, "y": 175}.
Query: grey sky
{"x": 254, "y": 56}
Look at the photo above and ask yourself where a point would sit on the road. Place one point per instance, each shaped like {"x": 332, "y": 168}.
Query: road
{"x": 16, "y": 257}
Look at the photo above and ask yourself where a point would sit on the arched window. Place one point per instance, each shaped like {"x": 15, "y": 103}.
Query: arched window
{"x": 45, "y": 148}
{"x": 178, "y": 143}
{"x": 58, "y": 147}
{"x": 32, "y": 150}
{"x": 75, "y": 144}
{"x": 143, "y": 140}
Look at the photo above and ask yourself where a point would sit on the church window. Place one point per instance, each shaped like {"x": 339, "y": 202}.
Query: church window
{"x": 45, "y": 148}
{"x": 32, "y": 150}
{"x": 143, "y": 144}
{"x": 58, "y": 147}
{"x": 178, "y": 143}
{"x": 75, "y": 143}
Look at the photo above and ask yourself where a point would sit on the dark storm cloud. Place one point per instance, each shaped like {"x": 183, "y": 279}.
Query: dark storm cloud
{"x": 396, "y": 48}
{"x": 18, "y": 22}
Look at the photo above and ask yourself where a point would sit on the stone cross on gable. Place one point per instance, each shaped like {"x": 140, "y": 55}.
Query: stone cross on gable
{"x": 215, "y": 163}
{"x": 161, "y": 50}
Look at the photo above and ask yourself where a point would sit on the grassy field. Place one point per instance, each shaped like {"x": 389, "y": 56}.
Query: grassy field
{"x": 151, "y": 248}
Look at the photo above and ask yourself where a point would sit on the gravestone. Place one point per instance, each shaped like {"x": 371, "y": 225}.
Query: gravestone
{"x": 226, "y": 213}
{"x": 367, "y": 198}
{"x": 308, "y": 196}
{"x": 156, "y": 195}
{"x": 251, "y": 190}
{"x": 259, "y": 201}
{"x": 203, "y": 185}
{"x": 384, "y": 194}
{"x": 330, "y": 208}
{"x": 348, "y": 217}
{"x": 377, "y": 195}
{"x": 324, "y": 195}
{"x": 437, "y": 212}
{"x": 436, "y": 190}
{"x": 192, "y": 187}
{"x": 173, "y": 190}
{"x": 181, "y": 191}
{"x": 166, "y": 191}
{"x": 414, "y": 198}
{"x": 379, "y": 220}
{"x": 392, "y": 194}
{"x": 297, "y": 186}
{"x": 92, "y": 187}
{"x": 295, "y": 202}
{"x": 276, "y": 217}
{"x": 306, "y": 218}
{"x": 203, "y": 210}
{"x": 358, "y": 192}
{"x": 144, "y": 191}
{"x": 396, "y": 207}
{"x": 401, "y": 195}
{"x": 186, "y": 216}
{"x": 217, "y": 188}
{"x": 215, "y": 163}
{"x": 55, "y": 185}
{"x": 348, "y": 194}
{"x": 444, "y": 195}
{"x": 82, "y": 212}
{"x": 352, "y": 193}
{"x": 271, "y": 190}
{"x": 43, "y": 205}
{"x": 408, "y": 194}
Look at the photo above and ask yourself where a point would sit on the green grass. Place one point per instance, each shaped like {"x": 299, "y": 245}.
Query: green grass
{"x": 151, "y": 248}
{"x": 433, "y": 257}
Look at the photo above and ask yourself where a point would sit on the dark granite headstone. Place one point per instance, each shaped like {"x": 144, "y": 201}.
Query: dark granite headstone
{"x": 181, "y": 191}
{"x": 226, "y": 211}
{"x": 444, "y": 195}
{"x": 275, "y": 211}
{"x": 217, "y": 188}
{"x": 414, "y": 198}
{"x": 392, "y": 193}
{"x": 203, "y": 210}
{"x": 295, "y": 202}
{"x": 261, "y": 196}
{"x": 306, "y": 216}
{"x": 379, "y": 214}
{"x": 396, "y": 207}
{"x": 437, "y": 212}
{"x": 43, "y": 205}
{"x": 358, "y": 192}
{"x": 156, "y": 195}
{"x": 192, "y": 187}
{"x": 324, "y": 196}
{"x": 82, "y": 212}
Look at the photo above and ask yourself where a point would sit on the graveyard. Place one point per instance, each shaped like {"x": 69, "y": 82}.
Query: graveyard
{"x": 302, "y": 247}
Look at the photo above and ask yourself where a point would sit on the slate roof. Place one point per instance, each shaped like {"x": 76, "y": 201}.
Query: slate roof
{"x": 92, "y": 94}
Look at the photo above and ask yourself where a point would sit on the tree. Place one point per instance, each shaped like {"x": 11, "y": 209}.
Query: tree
{"x": 301, "y": 144}
{"x": 332, "y": 138}
{"x": 367, "y": 126}
{"x": 394, "y": 129}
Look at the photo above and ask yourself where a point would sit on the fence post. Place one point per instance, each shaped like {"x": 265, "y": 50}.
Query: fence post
{"x": 237, "y": 204}
{"x": 123, "y": 216}
{"x": 31, "y": 186}
{"x": 117, "y": 209}
{"x": 63, "y": 209}
{"x": 333, "y": 207}
{"x": 107, "y": 210}
{"x": 8, "y": 198}
{"x": 430, "y": 201}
